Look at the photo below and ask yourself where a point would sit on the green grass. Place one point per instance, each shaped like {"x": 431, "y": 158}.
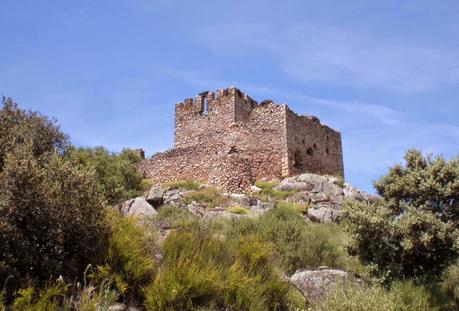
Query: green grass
{"x": 403, "y": 296}
{"x": 183, "y": 184}
{"x": 211, "y": 197}
{"x": 238, "y": 210}
{"x": 202, "y": 269}
{"x": 267, "y": 192}
{"x": 297, "y": 207}
{"x": 299, "y": 245}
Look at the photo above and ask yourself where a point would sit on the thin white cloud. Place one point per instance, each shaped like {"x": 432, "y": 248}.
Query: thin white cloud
{"x": 324, "y": 53}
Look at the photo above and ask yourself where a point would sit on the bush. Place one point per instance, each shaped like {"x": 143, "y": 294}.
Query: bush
{"x": 211, "y": 197}
{"x": 183, "y": 184}
{"x": 116, "y": 173}
{"x": 300, "y": 245}
{"x": 51, "y": 211}
{"x": 354, "y": 297}
{"x": 203, "y": 269}
{"x": 51, "y": 218}
{"x": 130, "y": 261}
{"x": 411, "y": 233}
{"x": 18, "y": 126}
{"x": 415, "y": 244}
{"x": 297, "y": 207}
{"x": 423, "y": 182}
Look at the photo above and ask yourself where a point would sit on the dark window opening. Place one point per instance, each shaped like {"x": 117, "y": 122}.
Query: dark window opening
{"x": 303, "y": 141}
{"x": 298, "y": 163}
{"x": 310, "y": 151}
{"x": 327, "y": 151}
{"x": 315, "y": 146}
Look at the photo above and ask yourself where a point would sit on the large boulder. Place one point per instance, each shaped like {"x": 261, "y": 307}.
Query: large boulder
{"x": 138, "y": 207}
{"x": 325, "y": 194}
{"x": 323, "y": 213}
{"x": 156, "y": 196}
{"x": 315, "y": 284}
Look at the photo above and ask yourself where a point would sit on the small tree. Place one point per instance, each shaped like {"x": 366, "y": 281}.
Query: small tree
{"x": 411, "y": 232}
{"x": 117, "y": 173}
{"x": 52, "y": 214}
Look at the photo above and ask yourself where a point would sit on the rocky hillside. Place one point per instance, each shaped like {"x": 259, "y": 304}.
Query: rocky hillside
{"x": 320, "y": 197}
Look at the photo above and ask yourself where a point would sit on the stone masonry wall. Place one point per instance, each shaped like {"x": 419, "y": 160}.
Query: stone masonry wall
{"x": 228, "y": 139}
{"x": 313, "y": 147}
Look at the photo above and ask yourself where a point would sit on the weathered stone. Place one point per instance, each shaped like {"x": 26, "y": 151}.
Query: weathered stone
{"x": 173, "y": 197}
{"x": 156, "y": 196}
{"x": 255, "y": 189}
{"x": 137, "y": 207}
{"x": 229, "y": 140}
{"x": 315, "y": 284}
{"x": 293, "y": 185}
{"x": 323, "y": 214}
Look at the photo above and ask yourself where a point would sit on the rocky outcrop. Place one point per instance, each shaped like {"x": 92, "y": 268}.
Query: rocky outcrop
{"x": 315, "y": 284}
{"x": 325, "y": 194}
{"x": 138, "y": 207}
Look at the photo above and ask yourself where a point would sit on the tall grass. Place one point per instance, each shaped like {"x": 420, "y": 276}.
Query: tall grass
{"x": 300, "y": 245}
{"x": 211, "y": 197}
{"x": 403, "y": 296}
{"x": 201, "y": 268}
{"x": 183, "y": 184}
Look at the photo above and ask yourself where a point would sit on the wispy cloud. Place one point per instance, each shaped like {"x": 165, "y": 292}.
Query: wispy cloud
{"x": 325, "y": 53}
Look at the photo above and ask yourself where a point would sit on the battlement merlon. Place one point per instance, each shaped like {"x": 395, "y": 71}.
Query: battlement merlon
{"x": 207, "y": 101}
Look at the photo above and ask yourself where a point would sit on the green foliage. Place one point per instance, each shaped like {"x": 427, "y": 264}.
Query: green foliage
{"x": 211, "y": 197}
{"x": 28, "y": 300}
{"x": 415, "y": 244}
{"x": 403, "y": 296}
{"x": 171, "y": 217}
{"x": 450, "y": 284}
{"x": 129, "y": 263}
{"x": 299, "y": 244}
{"x": 51, "y": 217}
{"x": 203, "y": 269}
{"x": 268, "y": 192}
{"x": 117, "y": 174}
{"x": 238, "y": 210}
{"x": 183, "y": 184}
{"x": 424, "y": 182}
{"x": 18, "y": 126}
{"x": 297, "y": 207}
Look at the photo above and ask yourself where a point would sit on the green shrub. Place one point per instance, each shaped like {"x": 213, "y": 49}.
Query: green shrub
{"x": 202, "y": 269}
{"x": 351, "y": 297}
{"x": 415, "y": 244}
{"x": 300, "y": 245}
{"x": 265, "y": 185}
{"x": 130, "y": 261}
{"x": 116, "y": 173}
{"x": 28, "y": 299}
{"x": 52, "y": 218}
{"x": 211, "y": 197}
{"x": 423, "y": 182}
{"x": 238, "y": 210}
{"x": 183, "y": 184}
{"x": 412, "y": 232}
{"x": 18, "y": 126}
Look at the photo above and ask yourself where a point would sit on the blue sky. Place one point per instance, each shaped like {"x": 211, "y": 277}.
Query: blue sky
{"x": 385, "y": 73}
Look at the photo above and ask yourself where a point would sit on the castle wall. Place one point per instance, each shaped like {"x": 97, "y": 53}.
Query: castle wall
{"x": 312, "y": 147}
{"x": 228, "y": 139}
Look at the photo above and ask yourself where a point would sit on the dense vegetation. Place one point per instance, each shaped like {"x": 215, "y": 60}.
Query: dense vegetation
{"x": 63, "y": 246}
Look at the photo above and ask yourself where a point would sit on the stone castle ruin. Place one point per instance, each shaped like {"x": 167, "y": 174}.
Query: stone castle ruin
{"x": 227, "y": 139}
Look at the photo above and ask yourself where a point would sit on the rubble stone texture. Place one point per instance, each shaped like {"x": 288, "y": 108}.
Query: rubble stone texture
{"x": 227, "y": 139}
